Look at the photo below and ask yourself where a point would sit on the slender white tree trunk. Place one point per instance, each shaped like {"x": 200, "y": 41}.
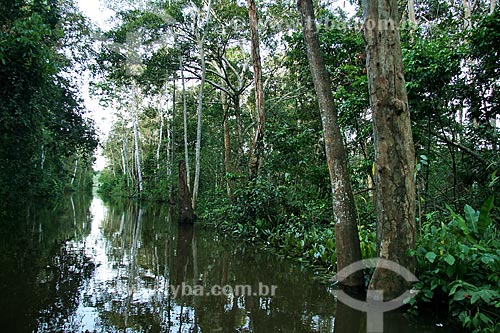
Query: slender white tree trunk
{"x": 135, "y": 116}
{"x": 172, "y": 144}
{"x": 201, "y": 45}
{"x": 160, "y": 139}
{"x": 184, "y": 103}
{"x": 74, "y": 173}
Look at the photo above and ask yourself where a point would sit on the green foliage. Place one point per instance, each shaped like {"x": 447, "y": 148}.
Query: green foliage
{"x": 285, "y": 220}
{"x": 458, "y": 263}
{"x": 42, "y": 124}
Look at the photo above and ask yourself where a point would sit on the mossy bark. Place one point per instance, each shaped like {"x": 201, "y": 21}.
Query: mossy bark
{"x": 346, "y": 231}
{"x": 394, "y": 150}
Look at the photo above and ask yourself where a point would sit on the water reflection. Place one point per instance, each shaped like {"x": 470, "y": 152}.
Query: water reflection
{"x": 92, "y": 267}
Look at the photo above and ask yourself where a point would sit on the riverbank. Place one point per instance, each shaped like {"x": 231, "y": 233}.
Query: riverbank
{"x": 458, "y": 255}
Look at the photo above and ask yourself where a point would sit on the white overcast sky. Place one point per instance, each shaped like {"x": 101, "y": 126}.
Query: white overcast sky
{"x": 100, "y": 15}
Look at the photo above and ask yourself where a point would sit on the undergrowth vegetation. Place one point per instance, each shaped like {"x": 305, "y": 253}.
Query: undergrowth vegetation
{"x": 458, "y": 256}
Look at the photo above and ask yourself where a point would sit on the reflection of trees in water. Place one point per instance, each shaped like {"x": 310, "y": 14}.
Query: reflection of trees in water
{"x": 138, "y": 253}
{"x": 40, "y": 272}
{"x": 74, "y": 271}
{"x": 167, "y": 254}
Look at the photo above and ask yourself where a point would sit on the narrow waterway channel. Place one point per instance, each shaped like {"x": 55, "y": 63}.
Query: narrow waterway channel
{"x": 90, "y": 266}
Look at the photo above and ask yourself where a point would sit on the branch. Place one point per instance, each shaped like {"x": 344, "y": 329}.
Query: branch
{"x": 462, "y": 148}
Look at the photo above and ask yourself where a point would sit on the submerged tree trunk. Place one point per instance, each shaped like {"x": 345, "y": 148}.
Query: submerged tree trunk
{"x": 186, "y": 214}
{"x": 348, "y": 248}
{"x": 257, "y": 144}
{"x": 394, "y": 151}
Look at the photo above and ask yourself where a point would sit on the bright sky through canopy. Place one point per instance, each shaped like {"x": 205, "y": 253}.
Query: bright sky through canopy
{"x": 100, "y": 16}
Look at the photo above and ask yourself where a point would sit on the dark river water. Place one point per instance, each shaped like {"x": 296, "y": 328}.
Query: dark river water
{"x": 90, "y": 266}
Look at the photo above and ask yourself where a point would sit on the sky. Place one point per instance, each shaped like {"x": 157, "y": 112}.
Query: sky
{"x": 103, "y": 117}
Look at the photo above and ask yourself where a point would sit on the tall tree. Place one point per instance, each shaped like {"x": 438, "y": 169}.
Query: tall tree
{"x": 394, "y": 150}
{"x": 137, "y": 154}
{"x": 348, "y": 249}
{"x": 201, "y": 45}
{"x": 257, "y": 144}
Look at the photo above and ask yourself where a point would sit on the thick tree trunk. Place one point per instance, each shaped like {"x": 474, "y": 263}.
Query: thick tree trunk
{"x": 394, "y": 151}
{"x": 348, "y": 249}
{"x": 186, "y": 214}
{"x": 257, "y": 144}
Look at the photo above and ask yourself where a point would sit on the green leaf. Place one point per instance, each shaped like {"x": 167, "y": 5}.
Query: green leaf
{"x": 486, "y": 295}
{"x": 484, "y": 219}
{"x": 459, "y": 295}
{"x": 475, "y": 297}
{"x": 449, "y": 259}
{"x": 471, "y": 216}
{"x": 431, "y": 256}
{"x": 485, "y": 319}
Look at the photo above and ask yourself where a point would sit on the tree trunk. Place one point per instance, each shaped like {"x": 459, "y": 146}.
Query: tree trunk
{"x": 467, "y": 14}
{"x": 172, "y": 145}
{"x": 394, "y": 150}
{"x": 348, "y": 249}
{"x": 135, "y": 116}
{"x": 186, "y": 214}
{"x": 160, "y": 139}
{"x": 74, "y": 171}
{"x": 257, "y": 144}
{"x": 412, "y": 18}
{"x": 201, "y": 45}
{"x": 239, "y": 133}
{"x": 186, "y": 148}
{"x": 227, "y": 147}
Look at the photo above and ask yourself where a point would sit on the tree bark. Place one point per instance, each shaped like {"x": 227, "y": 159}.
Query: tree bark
{"x": 257, "y": 144}
{"x": 348, "y": 248}
{"x": 186, "y": 214}
{"x": 394, "y": 150}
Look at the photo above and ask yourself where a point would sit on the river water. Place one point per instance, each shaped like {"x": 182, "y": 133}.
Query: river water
{"x": 90, "y": 266}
